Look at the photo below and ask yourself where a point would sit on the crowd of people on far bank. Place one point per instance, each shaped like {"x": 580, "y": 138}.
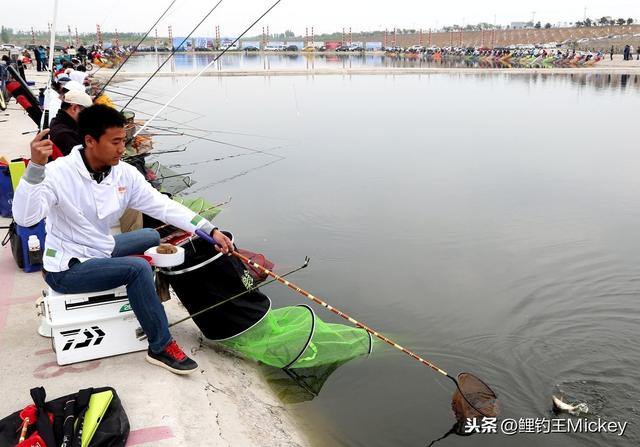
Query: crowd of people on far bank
{"x": 80, "y": 55}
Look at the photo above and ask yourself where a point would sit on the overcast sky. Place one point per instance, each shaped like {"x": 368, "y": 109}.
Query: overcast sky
{"x": 325, "y": 15}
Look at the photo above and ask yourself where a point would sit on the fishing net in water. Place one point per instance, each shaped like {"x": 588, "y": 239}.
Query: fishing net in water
{"x": 474, "y": 398}
{"x": 294, "y": 337}
{"x": 293, "y": 386}
{"x": 288, "y": 337}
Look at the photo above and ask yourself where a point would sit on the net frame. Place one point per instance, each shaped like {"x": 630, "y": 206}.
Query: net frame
{"x": 465, "y": 406}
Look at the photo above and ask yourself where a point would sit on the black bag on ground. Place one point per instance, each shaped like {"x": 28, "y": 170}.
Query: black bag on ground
{"x": 208, "y": 277}
{"x": 112, "y": 431}
{"x": 14, "y": 240}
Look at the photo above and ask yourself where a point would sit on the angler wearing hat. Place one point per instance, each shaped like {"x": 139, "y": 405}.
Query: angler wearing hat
{"x": 53, "y": 97}
{"x": 82, "y": 196}
{"x": 64, "y": 127}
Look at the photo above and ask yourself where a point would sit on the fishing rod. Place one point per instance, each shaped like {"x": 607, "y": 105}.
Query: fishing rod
{"x": 242, "y": 134}
{"x": 212, "y": 160}
{"x": 240, "y": 174}
{"x": 209, "y": 160}
{"x": 52, "y": 50}
{"x": 135, "y": 48}
{"x": 215, "y": 59}
{"x": 486, "y": 401}
{"x": 185, "y": 123}
{"x": 151, "y": 101}
{"x": 201, "y": 211}
{"x": 142, "y": 336}
{"x": 171, "y": 55}
{"x": 185, "y": 134}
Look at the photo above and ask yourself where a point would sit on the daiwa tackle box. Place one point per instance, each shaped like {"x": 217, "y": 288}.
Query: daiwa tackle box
{"x": 93, "y": 325}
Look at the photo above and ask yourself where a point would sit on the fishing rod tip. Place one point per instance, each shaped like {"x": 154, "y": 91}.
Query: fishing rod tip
{"x": 307, "y": 259}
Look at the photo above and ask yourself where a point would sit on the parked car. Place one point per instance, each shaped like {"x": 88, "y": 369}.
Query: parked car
{"x": 251, "y": 48}
{"x": 10, "y": 47}
{"x": 273, "y": 47}
{"x": 343, "y": 48}
{"x": 355, "y": 47}
{"x": 415, "y": 49}
{"x": 291, "y": 48}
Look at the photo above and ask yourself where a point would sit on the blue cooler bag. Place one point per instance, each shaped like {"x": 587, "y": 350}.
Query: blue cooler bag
{"x": 6, "y": 191}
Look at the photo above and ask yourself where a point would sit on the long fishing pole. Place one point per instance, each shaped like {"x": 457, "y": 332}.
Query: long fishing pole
{"x": 215, "y": 159}
{"x": 142, "y": 336}
{"x": 185, "y": 134}
{"x": 201, "y": 211}
{"x": 343, "y": 315}
{"x": 52, "y": 50}
{"x": 242, "y": 134}
{"x": 135, "y": 48}
{"x": 215, "y": 59}
{"x": 171, "y": 55}
{"x": 151, "y": 101}
{"x": 235, "y": 176}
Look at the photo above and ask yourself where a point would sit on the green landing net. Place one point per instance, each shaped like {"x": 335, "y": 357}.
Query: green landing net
{"x": 294, "y": 337}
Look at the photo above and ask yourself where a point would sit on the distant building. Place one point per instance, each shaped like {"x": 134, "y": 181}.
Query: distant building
{"x": 178, "y": 45}
{"x": 202, "y": 43}
{"x": 518, "y": 25}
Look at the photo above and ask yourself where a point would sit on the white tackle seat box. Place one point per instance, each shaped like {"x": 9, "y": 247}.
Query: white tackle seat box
{"x": 93, "y": 325}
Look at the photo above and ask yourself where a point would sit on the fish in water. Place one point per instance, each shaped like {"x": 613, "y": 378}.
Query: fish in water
{"x": 575, "y": 409}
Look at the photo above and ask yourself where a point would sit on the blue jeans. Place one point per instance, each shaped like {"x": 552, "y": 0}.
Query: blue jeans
{"x": 96, "y": 275}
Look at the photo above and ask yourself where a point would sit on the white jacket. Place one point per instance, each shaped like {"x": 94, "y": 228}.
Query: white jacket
{"x": 80, "y": 212}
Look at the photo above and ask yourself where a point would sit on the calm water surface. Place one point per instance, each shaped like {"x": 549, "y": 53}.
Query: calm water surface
{"x": 489, "y": 222}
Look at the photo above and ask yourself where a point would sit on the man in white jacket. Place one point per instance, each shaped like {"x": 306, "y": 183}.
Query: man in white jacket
{"x": 82, "y": 196}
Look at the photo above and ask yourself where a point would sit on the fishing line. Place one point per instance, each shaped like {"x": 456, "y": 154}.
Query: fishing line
{"x": 224, "y": 157}
{"x": 215, "y": 59}
{"x": 257, "y": 151}
{"x": 171, "y": 55}
{"x": 243, "y": 134}
{"x": 151, "y": 101}
{"x": 240, "y": 174}
{"x": 135, "y": 48}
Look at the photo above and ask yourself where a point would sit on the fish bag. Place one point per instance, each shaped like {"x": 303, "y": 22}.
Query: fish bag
{"x": 289, "y": 337}
{"x": 208, "y": 277}
{"x": 295, "y": 337}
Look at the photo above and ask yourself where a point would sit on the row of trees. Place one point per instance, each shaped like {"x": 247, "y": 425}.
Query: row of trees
{"x": 6, "y": 34}
{"x": 604, "y": 21}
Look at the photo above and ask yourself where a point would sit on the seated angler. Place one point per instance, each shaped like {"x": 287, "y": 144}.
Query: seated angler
{"x": 64, "y": 127}
{"x": 82, "y": 196}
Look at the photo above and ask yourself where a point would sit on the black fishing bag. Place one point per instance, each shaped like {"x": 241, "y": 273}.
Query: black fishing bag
{"x": 112, "y": 431}
{"x": 15, "y": 241}
{"x": 208, "y": 277}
